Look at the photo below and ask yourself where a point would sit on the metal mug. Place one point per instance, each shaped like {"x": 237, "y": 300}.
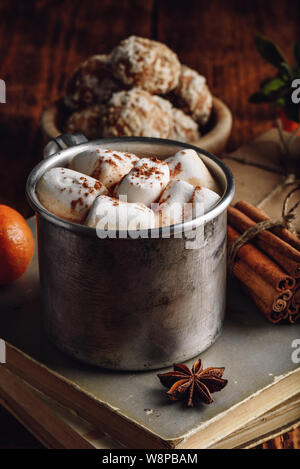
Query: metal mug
{"x": 131, "y": 304}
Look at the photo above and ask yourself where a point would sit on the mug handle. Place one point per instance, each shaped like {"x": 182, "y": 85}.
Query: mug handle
{"x": 61, "y": 142}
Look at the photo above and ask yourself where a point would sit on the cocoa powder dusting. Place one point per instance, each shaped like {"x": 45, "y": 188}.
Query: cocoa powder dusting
{"x": 97, "y": 185}
{"x": 145, "y": 172}
{"x": 177, "y": 170}
{"x": 74, "y": 203}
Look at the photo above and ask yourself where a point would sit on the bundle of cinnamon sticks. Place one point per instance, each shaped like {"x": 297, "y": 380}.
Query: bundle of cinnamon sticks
{"x": 268, "y": 266}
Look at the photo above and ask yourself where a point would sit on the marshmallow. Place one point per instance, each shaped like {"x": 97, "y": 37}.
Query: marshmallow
{"x": 145, "y": 182}
{"x": 188, "y": 166}
{"x": 67, "y": 193}
{"x": 108, "y": 166}
{"x": 182, "y": 201}
{"x": 171, "y": 203}
{"x": 108, "y": 213}
{"x": 205, "y": 199}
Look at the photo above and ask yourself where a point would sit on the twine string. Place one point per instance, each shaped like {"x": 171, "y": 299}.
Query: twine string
{"x": 288, "y": 216}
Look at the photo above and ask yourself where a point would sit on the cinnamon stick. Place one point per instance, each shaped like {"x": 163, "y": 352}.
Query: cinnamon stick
{"x": 292, "y": 309}
{"x": 294, "y": 319}
{"x": 286, "y": 256}
{"x": 279, "y": 305}
{"x": 281, "y": 302}
{"x": 257, "y": 300}
{"x": 275, "y": 317}
{"x": 258, "y": 215}
{"x": 278, "y": 316}
{"x": 292, "y": 267}
{"x": 260, "y": 288}
{"x": 296, "y": 297}
{"x": 293, "y": 313}
{"x": 261, "y": 263}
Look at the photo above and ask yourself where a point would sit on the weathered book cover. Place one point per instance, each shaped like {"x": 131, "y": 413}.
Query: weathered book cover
{"x": 58, "y": 427}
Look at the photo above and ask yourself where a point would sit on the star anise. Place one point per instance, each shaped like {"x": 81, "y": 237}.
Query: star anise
{"x": 194, "y": 385}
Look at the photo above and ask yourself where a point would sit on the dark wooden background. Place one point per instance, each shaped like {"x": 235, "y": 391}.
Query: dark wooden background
{"x": 42, "y": 41}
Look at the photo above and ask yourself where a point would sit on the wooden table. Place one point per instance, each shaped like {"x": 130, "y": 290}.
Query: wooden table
{"x": 42, "y": 41}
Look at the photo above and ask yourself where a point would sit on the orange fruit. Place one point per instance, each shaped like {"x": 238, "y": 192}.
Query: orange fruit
{"x": 287, "y": 124}
{"x": 16, "y": 245}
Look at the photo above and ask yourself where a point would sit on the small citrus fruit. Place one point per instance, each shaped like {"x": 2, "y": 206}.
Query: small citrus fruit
{"x": 16, "y": 245}
{"x": 287, "y": 124}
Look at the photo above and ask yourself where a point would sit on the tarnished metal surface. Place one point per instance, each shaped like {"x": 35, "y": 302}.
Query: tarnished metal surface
{"x": 132, "y": 303}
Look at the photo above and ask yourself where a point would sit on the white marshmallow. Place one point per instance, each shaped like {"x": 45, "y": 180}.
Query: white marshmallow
{"x": 205, "y": 199}
{"x": 181, "y": 201}
{"x": 188, "y": 166}
{"x": 171, "y": 203}
{"x": 145, "y": 182}
{"x": 108, "y": 166}
{"x": 67, "y": 193}
{"x": 108, "y": 213}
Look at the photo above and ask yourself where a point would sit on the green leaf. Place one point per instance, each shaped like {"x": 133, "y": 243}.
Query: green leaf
{"x": 259, "y": 97}
{"x": 286, "y": 71}
{"x": 280, "y": 102}
{"x": 274, "y": 84}
{"x": 269, "y": 51}
{"x": 291, "y": 109}
{"x": 296, "y": 49}
{"x": 275, "y": 89}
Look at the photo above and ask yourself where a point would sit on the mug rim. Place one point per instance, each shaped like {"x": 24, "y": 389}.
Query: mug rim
{"x": 160, "y": 232}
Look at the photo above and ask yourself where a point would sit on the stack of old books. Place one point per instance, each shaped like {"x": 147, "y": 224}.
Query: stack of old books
{"x": 64, "y": 413}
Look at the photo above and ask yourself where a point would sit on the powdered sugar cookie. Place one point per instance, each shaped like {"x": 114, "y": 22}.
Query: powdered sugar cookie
{"x": 184, "y": 128}
{"x": 193, "y": 96}
{"x": 92, "y": 82}
{"x": 134, "y": 113}
{"x": 85, "y": 121}
{"x": 147, "y": 64}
